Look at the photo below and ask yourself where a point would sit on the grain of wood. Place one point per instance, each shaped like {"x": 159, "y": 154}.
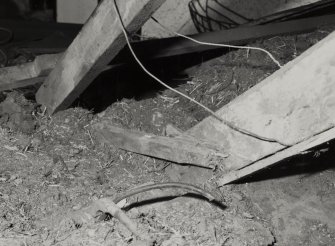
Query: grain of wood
{"x": 185, "y": 150}
{"x": 96, "y": 45}
{"x": 277, "y": 157}
{"x": 292, "y": 105}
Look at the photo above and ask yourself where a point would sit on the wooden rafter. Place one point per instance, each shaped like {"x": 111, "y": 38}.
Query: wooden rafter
{"x": 96, "y": 45}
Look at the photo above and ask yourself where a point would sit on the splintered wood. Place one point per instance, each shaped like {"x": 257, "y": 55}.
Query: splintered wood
{"x": 180, "y": 150}
{"x": 279, "y": 156}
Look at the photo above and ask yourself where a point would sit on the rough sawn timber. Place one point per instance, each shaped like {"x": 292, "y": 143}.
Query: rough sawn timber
{"x": 95, "y": 46}
{"x": 279, "y": 156}
{"x": 292, "y": 105}
{"x": 180, "y": 150}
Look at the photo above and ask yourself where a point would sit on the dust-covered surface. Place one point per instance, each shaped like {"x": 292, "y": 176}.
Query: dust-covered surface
{"x": 53, "y": 166}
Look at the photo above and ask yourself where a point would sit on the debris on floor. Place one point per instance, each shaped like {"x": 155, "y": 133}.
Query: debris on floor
{"x": 143, "y": 165}
{"x": 16, "y": 113}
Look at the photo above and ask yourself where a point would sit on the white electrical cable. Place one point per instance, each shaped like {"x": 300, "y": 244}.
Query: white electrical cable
{"x": 229, "y": 124}
{"x": 154, "y": 77}
{"x": 219, "y": 45}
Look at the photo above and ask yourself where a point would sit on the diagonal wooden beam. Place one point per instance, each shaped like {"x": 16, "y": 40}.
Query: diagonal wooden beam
{"x": 294, "y": 105}
{"x": 21, "y": 76}
{"x": 96, "y": 45}
{"x": 179, "y": 150}
{"x": 297, "y": 149}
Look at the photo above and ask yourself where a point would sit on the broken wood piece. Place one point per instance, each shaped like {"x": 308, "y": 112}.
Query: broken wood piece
{"x": 100, "y": 40}
{"x": 106, "y": 205}
{"x": 109, "y": 205}
{"x": 179, "y": 150}
{"x": 27, "y": 74}
{"x": 277, "y": 157}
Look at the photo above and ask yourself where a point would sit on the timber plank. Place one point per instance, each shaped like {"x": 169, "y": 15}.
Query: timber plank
{"x": 292, "y": 105}
{"x": 179, "y": 150}
{"x": 277, "y": 157}
{"x": 95, "y": 46}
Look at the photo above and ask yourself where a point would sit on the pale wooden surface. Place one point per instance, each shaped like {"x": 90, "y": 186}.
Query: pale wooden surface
{"x": 281, "y": 155}
{"x": 179, "y": 150}
{"x": 173, "y": 14}
{"x": 75, "y": 11}
{"x": 96, "y": 45}
{"x": 291, "y": 105}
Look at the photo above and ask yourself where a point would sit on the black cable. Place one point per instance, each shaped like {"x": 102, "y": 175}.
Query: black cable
{"x": 167, "y": 185}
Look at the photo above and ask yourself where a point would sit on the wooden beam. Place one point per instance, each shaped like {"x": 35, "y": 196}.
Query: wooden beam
{"x": 179, "y": 150}
{"x": 291, "y": 105}
{"x": 174, "y": 46}
{"x": 167, "y": 47}
{"x": 277, "y": 157}
{"x": 159, "y": 48}
{"x": 96, "y": 45}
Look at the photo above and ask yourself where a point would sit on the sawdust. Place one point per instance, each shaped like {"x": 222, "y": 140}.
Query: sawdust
{"x": 52, "y": 166}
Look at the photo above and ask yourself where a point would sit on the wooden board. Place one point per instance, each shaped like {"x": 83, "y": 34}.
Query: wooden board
{"x": 96, "y": 45}
{"x": 292, "y": 105}
{"x": 297, "y": 149}
{"x": 179, "y": 150}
